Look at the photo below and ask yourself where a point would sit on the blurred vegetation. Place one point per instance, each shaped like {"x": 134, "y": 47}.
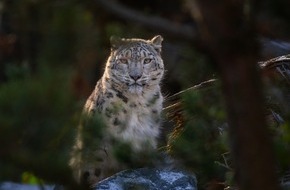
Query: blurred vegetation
{"x": 200, "y": 143}
{"x": 203, "y": 135}
{"x": 52, "y": 53}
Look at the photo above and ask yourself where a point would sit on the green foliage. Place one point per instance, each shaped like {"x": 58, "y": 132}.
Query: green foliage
{"x": 39, "y": 109}
{"x": 91, "y": 131}
{"x": 201, "y": 145}
{"x": 37, "y": 115}
{"x": 124, "y": 154}
{"x": 29, "y": 178}
{"x": 281, "y": 140}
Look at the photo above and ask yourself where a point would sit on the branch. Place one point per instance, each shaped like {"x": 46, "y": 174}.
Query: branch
{"x": 269, "y": 48}
{"x": 153, "y": 22}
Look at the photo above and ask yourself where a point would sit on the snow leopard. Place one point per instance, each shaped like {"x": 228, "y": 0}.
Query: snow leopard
{"x": 129, "y": 101}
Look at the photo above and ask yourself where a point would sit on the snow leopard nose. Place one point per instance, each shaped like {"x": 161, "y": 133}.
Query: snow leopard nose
{"x": 135, "y": 76}
{"x": 135, "y": 71}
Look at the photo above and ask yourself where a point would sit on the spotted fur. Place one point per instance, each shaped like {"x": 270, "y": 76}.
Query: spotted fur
{"x": 129, "y": 100}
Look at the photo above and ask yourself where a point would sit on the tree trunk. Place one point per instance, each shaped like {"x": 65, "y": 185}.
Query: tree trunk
{"x": 227, "y": 29}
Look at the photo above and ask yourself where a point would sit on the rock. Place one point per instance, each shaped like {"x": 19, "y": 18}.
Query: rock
{"x": 18, "y": 186}
{"x": 149, "y": 179}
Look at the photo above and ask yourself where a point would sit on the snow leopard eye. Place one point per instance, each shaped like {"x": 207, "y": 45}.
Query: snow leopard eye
{"x": 147, "y": 60}
{"x": 123, "y": 61}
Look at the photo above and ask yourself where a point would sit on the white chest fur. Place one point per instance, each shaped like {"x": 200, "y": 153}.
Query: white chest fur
{"x": 138, "y": 122}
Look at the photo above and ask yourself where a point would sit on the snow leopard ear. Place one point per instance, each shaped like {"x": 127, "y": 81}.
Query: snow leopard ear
{"x": 116, "y": 42}
{"x": 157, "y": 43}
